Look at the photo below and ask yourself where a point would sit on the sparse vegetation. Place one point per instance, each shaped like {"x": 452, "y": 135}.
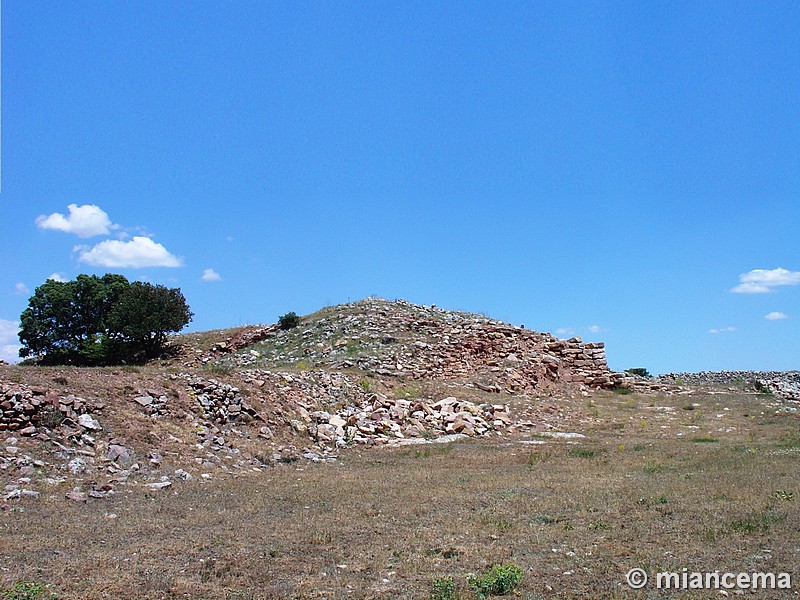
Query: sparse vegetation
{"x": 756, "y": 522}
{"x": 706, "y": 439}
{"x": 50, "y": 417}
{"x": 762, "y": 389}
{"x": 218, "y": 369}
{"x": 582, "y": 453}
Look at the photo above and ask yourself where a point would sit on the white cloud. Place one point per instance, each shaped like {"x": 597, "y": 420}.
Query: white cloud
{"x": 21, "y": 289}
{"x": 8, "y": 331}
{"x": 10, "y": 353}
{"x": 58, "y": 277}
{"x": 210, "y": 275}
{"x": 9, "y": 349}
{"x": 595, "y": 329}
{"x": 565, "y": 331}
{"x": 138, "y": 252}
{"x": 761, "y": 281}
{"x": 722, "y": 330}
{"x": 84, "y": 221}
{"x": 751, "y": 288}
{"x": 775, "y": 316}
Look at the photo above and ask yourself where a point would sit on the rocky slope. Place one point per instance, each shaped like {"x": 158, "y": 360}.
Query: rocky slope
{"x": 402, "y": 340}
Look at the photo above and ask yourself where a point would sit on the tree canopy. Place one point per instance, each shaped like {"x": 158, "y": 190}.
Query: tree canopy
{"x": 100, "y": 320}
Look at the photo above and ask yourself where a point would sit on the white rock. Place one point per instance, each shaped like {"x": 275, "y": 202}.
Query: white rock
{"x": 77, "y": 466}
{"x": 87, "y": 422}
{"x": 159, "y": 485}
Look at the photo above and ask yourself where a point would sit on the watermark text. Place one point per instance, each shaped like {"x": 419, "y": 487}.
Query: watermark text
{"x": 709, "y": 580}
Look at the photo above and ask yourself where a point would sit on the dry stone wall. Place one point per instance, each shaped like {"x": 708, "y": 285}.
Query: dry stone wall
{"x": 785, "y": 384}
{"x": 24, "y": 408}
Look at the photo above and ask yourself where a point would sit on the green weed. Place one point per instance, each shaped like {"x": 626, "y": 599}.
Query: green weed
{"x": 757, "y": 522}
{"x": 443, "y": 588}
{"x": 497, "y": 581}
{"x": 582, "y": 453}
{"x": 27, "y": 590}
{"x": 706, "y": 439}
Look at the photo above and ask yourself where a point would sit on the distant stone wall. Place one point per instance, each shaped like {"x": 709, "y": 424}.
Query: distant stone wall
{"x": 785, "y": 384}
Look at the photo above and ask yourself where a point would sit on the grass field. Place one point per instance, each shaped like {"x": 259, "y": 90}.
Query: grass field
{"x": 703, "y": 482}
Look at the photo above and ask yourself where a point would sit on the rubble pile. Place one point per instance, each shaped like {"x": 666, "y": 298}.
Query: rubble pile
{"x": 152, "y": 402}
{"x": 400, "y": 339}
{"x": 381, "y": 419}
{"x": 221, "y": 402}
{"x": 333, "y": 409}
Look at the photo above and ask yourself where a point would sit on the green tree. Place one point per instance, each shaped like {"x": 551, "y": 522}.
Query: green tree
{"x": 143, "y": 316}
{"x": 100, "y": 320}
{"x": 46, "y": 326}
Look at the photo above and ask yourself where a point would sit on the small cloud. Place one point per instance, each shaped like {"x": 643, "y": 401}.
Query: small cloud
{"x": 775, "y": 316}
{"x": 751, "y": 288}
{"x": 84, "y": 221}
{"x": 595, "y": 329}
{"x": 21, "y": 289}
{"x": 762, "y": 281}
{"x": 58, "y": 277}
{"x": 565, "y": 331}
{"x": 137, "y": 253}
{"x": 9, "y": 349}
{"x": 210, "y": 275}
{"x": 722, "y": 330}
{"x": 229, "y": 238}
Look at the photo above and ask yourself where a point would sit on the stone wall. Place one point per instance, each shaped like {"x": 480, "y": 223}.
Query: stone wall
{"x": 24, "y": 408}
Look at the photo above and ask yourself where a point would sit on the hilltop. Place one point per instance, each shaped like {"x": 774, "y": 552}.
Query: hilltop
{"x": 403, "y": 340}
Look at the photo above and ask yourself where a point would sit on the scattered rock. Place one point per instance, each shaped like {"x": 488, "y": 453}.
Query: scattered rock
{"x": 77, "y": 496}
{"x": 77, "y": 466}
{"x": 159, "y": 485}
{"x": 87, "y": 422}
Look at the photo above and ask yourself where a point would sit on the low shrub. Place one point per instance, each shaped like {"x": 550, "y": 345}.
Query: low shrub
{"x": 639, "y": 372}
{"x": 497, "y": 581}
{"x": 288, "y": 321}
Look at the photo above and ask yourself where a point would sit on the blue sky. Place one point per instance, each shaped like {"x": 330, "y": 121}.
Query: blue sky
{"x": 626, "y": 172}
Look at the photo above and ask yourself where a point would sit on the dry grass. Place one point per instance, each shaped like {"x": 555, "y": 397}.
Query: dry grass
{"x": 646, "y": 488}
